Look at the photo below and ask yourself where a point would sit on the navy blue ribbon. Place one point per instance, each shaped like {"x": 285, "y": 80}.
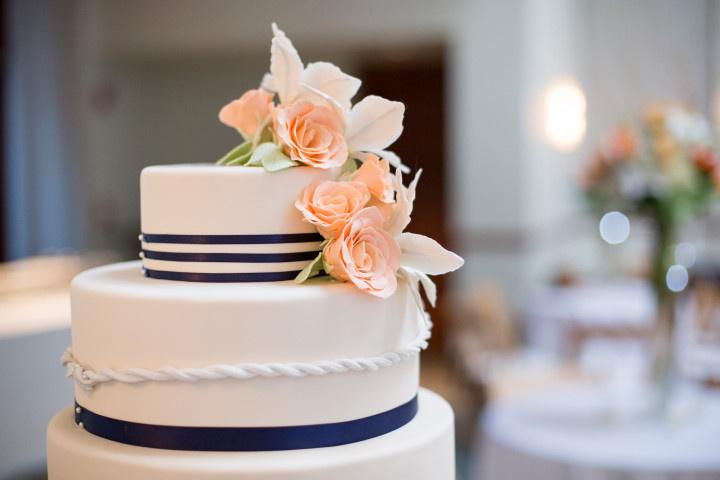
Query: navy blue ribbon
{"x": 233, "y": 239}
{"x": 246, "y": 439}
{"x": 229, "y": 277}
{"x": 221, "y": 277}
{"x": 230, "y": 257}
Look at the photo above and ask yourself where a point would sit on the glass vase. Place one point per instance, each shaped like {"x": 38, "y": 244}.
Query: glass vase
{"x": 663, "y": 355}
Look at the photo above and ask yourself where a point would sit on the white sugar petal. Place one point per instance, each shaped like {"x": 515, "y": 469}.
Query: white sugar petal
{"x": 414, "y": 279}
{"x": 425, "y": 255}
{"x": 403, "y": 208}
{"x": 374, "y": 123}
{"x": 313, "y": 95}
{"x": 268, "y": 83}
{"x": 429, "y": 287}
{"x": 285, "y": 66}
{"x": 332, "y": 81}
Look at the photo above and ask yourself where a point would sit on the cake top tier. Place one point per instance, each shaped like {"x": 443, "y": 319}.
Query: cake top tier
{"x": 204, "y": 199}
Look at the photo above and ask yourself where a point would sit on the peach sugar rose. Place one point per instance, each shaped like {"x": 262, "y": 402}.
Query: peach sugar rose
{"x": 247, "y": 113}
{"x": 311, "y": 134}
{"x": 330, "y": 205}
{"x": 375, "y": 173}
{"x": 365, "y": 254}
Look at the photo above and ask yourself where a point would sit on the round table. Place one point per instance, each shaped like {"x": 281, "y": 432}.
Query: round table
{"x": 556, "y": 318}
{"x": 34, "y": 331}
{"x": 576, "y": 431}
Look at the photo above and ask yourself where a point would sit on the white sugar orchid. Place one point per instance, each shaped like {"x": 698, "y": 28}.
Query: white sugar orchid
{"x": 371, "y": 125}
{"x": 420, "y": 256}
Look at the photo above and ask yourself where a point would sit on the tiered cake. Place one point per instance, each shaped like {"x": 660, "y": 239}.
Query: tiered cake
{"x": 206, "y": 360}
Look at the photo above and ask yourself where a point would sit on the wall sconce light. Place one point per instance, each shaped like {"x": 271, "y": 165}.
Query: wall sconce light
{"x": 565, "y": 119}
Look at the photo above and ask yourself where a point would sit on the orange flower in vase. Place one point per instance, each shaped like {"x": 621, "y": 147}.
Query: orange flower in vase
{"x": 623, "y": 145}
{"x": 705, "y": 159}
{"x": 596, "y": 170}
{"x": 708, "y": 163}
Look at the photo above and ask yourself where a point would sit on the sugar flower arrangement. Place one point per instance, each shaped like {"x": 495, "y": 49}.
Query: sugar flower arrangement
{"x": 303, "y": 116}
{"x": 362, "y": 217}
{"x": 313, "y": 122}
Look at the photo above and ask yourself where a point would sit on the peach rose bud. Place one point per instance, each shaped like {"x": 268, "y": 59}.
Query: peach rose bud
{"x": 365, "y": 254}
{"x": 311, "y": 134}
{"x": 375, "y": 173}
{"x": 330, "y": 205}
{"x": 247, "y": 113}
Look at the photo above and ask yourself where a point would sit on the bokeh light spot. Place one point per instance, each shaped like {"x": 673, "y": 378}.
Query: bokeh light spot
{"x": 685, "y": 254}
{"x": 565, "y": 115}
{"x": 677, "y": 278}
{"x": 614, "y": 228}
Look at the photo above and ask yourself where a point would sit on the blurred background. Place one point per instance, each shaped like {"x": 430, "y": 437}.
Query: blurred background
{"x": 569, "y": 154}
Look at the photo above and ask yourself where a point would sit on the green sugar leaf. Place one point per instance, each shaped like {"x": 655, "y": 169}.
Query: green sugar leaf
{"x": 328, "y": 268}
{"x": 256, "y": 159}
{"x": 240, "y": 161}
{"x": 236, "y": 153}
{"x": 271, "y": 157}
{"x": 311, "y": 270}
{"x": 277, "y": 161}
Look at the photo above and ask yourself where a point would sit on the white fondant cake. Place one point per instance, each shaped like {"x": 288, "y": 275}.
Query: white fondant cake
{"x": 206, "y": 360}
{"x": 421, "y": 450}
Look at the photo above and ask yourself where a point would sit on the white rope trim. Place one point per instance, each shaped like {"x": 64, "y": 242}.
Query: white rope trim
{"x": 88, "y": 378}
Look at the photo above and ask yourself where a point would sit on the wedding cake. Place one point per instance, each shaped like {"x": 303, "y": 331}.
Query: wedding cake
{"x": 273, "y": 325}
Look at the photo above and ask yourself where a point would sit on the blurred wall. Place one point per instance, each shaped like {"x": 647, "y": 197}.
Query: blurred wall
{"x": 188, "y": 28}
{"x": 516, "y": 205}
{"x": 640, "y": 52}
{"x": 151, "y": 76}
{"x": 44, "y": 204}
{"x": 161, "y": 70}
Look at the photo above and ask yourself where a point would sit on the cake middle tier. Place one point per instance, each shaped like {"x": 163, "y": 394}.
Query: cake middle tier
{"x": 123, "y": 320}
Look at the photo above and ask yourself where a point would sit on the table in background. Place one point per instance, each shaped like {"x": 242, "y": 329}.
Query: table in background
{"x": 559, "y": 319}
{"x": 34, "y": 331}
{"x": 576, "y": 432}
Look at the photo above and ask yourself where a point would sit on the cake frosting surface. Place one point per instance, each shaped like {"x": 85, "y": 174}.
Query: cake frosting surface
{"x": 421, "y": 450}
{"x": 229, "y": 224}
{"x": 204, "y": 199}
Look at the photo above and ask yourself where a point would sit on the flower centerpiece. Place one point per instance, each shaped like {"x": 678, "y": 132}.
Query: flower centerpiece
{"x": 664, "y": 168}
{"x": 303, "y": 115}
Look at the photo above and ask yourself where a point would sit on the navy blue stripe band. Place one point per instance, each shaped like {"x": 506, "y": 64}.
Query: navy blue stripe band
{"x": 221, "y": 277}
{"x": 233, "y": 239}
{"x": 230, "y": 257}
{"x": 246, "y": 439}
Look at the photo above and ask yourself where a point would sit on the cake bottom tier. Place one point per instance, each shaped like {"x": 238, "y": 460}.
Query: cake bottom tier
{"x": 422, "y": 449}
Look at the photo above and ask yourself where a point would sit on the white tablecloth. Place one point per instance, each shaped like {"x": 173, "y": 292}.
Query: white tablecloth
{"x": 575, "y": 432}
{"x": 34, "y": 331}
{"x": 552, "y": 314}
